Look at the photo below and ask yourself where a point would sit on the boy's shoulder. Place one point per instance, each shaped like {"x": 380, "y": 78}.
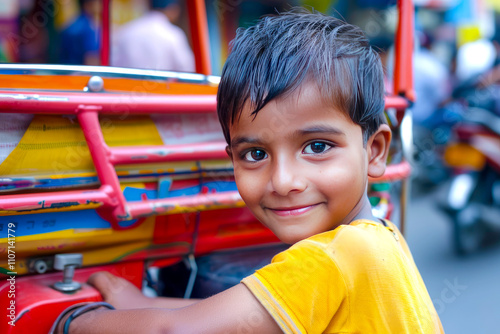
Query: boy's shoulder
{"x": 362, "y": 240}
{"x": 361, "y": 230}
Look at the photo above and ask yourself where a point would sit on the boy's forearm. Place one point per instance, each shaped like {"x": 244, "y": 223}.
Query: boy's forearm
{"x": 171, "y": 303}
{"x": 123, "y": 321}
{"x": 226, "y": 312}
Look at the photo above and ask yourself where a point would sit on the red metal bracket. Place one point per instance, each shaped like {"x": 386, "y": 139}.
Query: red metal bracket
{"x": 199, "y": 35}
{"x": 105, "y": 33}
{"x": 403, "y": 67}
{"x": 109, "y": 199}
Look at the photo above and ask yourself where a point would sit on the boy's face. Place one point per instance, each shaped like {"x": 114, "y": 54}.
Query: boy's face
{"x": 300, "y": 165}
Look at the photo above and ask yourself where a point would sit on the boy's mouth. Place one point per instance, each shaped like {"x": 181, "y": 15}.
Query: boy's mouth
{"x": 292, "y": 211}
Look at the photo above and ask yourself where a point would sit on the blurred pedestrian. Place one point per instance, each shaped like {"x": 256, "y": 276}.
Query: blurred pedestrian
{"x": 431, "y": 80}
{"x": 153, "y": 41}
{"x": 81, "y": 39}
{"x": 474, "y": 59}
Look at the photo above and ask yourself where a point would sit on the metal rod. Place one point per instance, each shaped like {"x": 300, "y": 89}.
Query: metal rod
{"x": 105, "y": 32}
{"x": 105, "y": 197}
{"x": 406, "y": 135}
{"x": 199, "y": 35}
{"x": 89, "y": 122}
{"x": 202, "y": 202}
{"x": 403, "y": 67}
{"x": 403, "y": 203}
{"x": 49, "y": 69}
{"x": 69, "y": 103}
{"x": 186, "y": 152}
{"x": 396, "y": 102}
{"x": 394, "y": 172}
{"x": 67, "y": 200}
{"x": 192, "y": 275}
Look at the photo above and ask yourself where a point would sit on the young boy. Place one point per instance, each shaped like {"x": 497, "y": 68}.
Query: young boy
{"x": 301, "y": 104}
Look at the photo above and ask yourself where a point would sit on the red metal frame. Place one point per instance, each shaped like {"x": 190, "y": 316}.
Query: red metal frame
{"x": 105, "y": 32}
{"x": 199, "y": 35}
{"x": 403, "y": 67}
{"x": 403, "y": 83}
{"x": 70, "y": 103}
{"x": 117, "y": 104}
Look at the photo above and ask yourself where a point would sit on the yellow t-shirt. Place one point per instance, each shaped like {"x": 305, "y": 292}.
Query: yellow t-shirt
{"x": 358, "y": 278}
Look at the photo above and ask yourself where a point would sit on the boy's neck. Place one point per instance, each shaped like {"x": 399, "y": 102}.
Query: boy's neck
{"x": 363, "y": 210}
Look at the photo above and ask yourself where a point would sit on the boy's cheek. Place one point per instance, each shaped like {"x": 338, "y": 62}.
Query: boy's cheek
{"x": 246, "y": 189}
{"x": 248, "y": 186}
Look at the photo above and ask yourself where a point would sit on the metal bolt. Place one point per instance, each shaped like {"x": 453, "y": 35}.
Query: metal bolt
{"x": 40, "y": 266}
{"x": 95, "y": 84}
{"x": 67, "y": 263}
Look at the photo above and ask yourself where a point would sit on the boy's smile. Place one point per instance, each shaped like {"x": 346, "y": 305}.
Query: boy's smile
{"x": 300, "y": 165}
{"x": 292, "y": 211}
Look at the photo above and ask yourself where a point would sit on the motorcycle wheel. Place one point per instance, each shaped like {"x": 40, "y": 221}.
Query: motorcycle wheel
{"x": 469, "y": 231}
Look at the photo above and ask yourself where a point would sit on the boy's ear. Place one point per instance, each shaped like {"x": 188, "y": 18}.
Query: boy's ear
{"x": 229, "y": 152}
{"x": 377, "y": 148}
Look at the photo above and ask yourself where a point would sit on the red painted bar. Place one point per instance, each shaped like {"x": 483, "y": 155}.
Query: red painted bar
{"x": 68, "y": 103}
{"x": 186, "y": 152}
{"x": 31, "y": 203}
{"x": 105, "y": 33}
{"x": 60, "y": 199}
{"x": 403, "y": 67}
{"x": 89, "y": 122}
{"x": 394, "y": 172}
{"x": 396, "y": 102}
{"x": 185, "y": 204}
{"x": 199, "y": 35}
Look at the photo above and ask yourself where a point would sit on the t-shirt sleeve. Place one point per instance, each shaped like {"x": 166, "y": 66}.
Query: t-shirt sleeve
{"x": 302, "y": 288}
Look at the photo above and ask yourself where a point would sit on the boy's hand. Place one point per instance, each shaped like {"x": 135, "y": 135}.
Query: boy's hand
{"x": 118, "y": 291}
{"x": 123, "y": 295}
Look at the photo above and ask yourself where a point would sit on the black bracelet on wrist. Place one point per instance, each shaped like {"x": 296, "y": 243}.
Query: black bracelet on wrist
{"x": 84, "y": 309}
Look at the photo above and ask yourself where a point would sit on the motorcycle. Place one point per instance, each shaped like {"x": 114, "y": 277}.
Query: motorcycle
{"x": 473, "y": 198}
{"x": 430, "y": 141}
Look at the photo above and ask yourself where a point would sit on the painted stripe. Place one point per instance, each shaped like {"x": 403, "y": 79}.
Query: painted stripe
{"x": 285, "y": 322}
{"x": 7, "y": 272}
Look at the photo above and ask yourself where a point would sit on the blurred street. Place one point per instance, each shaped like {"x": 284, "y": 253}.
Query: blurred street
{"x": 465, "y": 290}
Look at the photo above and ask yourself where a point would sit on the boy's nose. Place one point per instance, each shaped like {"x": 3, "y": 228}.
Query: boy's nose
{"x": 287, "y": 177}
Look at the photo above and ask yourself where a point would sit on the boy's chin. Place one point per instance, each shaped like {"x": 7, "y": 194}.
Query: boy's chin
{"x": 291, "y": 238}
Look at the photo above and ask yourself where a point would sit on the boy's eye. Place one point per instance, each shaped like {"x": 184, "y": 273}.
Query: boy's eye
{"x": 316, "y": 147}
{"x": 255, "y": 155}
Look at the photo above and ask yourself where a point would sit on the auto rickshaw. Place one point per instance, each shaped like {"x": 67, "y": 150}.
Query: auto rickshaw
{"x": 125, "y": 170}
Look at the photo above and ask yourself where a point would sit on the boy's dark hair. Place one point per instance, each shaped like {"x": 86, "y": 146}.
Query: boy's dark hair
{"x": 274, "y": 57}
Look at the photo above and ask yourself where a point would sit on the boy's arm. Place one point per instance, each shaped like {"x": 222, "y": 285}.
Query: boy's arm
{"x": 123, "y": 295}
{"x": 235, "y": 310}
{"x": 170, "y": 303}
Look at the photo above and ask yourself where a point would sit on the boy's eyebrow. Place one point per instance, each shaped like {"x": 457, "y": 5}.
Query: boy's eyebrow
{"x": 301, "y": 132}
{"x": 320, "y": 129}
{"x": 241, "y": 140}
